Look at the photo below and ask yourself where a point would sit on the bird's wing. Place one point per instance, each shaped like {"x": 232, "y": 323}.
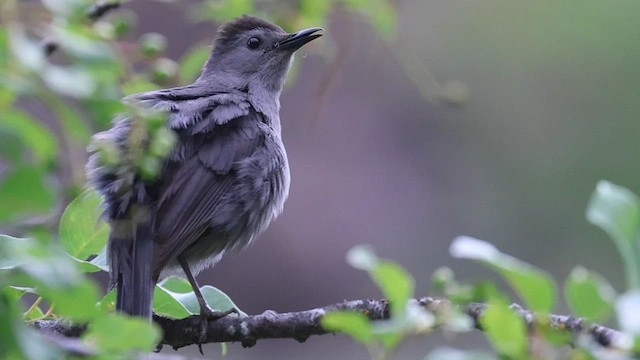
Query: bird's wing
{"x": 195, "y": 192}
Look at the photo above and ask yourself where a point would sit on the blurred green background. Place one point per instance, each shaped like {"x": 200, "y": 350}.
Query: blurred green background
{"x": 407, "y": 125}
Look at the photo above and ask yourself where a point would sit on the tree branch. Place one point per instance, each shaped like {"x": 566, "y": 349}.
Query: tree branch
{"x": 303, "y": 324}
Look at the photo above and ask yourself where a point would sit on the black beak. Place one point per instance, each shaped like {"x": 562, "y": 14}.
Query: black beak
{"x": 294, "y": 41}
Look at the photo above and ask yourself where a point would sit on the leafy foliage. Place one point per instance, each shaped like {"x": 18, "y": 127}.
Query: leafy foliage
{"x": 95, "y": 62}
{"x": 590, "y": 296}
{"x": 94, "y": 65}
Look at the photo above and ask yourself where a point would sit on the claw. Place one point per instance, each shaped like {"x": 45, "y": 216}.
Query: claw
{"x": 206, "y": 313}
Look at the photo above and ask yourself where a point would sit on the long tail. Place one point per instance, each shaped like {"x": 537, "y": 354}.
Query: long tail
{"x": 131, "y": 263}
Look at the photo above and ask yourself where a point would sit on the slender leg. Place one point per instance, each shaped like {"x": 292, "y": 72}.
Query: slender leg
{"x": 206, "y": 313}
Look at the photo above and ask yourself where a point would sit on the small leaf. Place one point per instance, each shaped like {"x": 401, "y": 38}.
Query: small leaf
{"x": 628, "y": 311}
{"x": 174, "y": 290}
{"x": 71, "y": 81}
{"x": 176, "y": 284}
{"x": 535, "y": 286}
{"x": 108, "y": 303}
{"x": 396, "y": 283}
{"x": 26, "y": 50}
{"x": 98, "y": 263}
{"x": 82, "y": 233}
{"x": 362, "y": 257}
{"x": 74, "y": 302}
{"x": 33, "y": 134}
{"x": 101, "y": 260}
{"x": 589, "y": 294}
{"x": 121, "y": 333}
{"x": 65, "y": 8}
{"x": 354, "y": 324}
{"x": 7, "y": 244}
{"x": 506, "y": 330}
{"x": 167, "y": 303}
{"x": 79, "y": 42}
{"x": 138, "y": 85}
{"x": 23, "y": 192}
{"x": 216, "y": 299}
{"x": 15, "y": 293}
{"x": 191, "y": 64}
{"x": 46, "y": 268}
{"x": 313, "y": 13}
{"x": 616, "y": 210}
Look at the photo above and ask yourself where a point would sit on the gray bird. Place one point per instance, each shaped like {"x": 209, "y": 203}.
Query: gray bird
{"x": 225, "y": 179}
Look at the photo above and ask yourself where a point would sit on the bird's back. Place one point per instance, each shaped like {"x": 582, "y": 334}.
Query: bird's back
{"x": 224, "y": 183}
{"x": 225, "y": 180}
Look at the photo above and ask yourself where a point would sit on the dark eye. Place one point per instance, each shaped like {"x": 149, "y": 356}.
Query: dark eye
{"x": 253, "y": 43}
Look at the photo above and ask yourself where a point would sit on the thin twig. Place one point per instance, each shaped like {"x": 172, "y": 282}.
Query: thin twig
{"x": 303, "y": 324}
{"x": 100, "y": 9}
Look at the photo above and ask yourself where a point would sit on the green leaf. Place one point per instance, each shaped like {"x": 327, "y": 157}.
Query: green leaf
{"x": 15, "y": 293}
{"x": 362, "y": 257}
{"x": 179, "y": 290}
{"x": 138, "y": 85}
{"x": 506, "y": 330}
{"x": 33, "y": 134}
{"x": 216, "y": 299}
{"x": 589, "y": 294}
{"x": 396, "y": 283}
{"x": 167, "y": 303}
{"x": 108, "y": 303}
{"x": 98, "y": 263}
{"x": 74, "y": 302}
{"x": 121, "y": 333}
{"x": 72, "y": 81}
{"x": 533, "y": 285}
{"x": 176, "y": 284}
{"x": 616, "y": 210}
{"x": 82, "y": 233}
{"x": 26, "y": 50}
{"x": 76, "y": 40}
{"x": 314, "y": 13}
{"x": 23, "y": 192}
{"x": 152, "y": 44}
{"x": 7, "y": 260}
{"x": 18, "y": 340}
{"x": 46, "y": 268}
{"x": 191, "y": 64}
{"x": 66, "y": 8}
{"x": 354, "y": 324}
{"x": 101, "y": 260}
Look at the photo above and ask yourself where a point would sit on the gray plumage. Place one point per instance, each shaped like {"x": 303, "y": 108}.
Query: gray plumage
{"x": 227, "y": 176}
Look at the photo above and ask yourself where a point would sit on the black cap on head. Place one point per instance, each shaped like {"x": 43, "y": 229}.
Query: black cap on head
{"x": 240, "y": 25}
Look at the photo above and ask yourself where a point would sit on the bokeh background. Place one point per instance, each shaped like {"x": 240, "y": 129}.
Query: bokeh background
{"x": 492, "y": 118}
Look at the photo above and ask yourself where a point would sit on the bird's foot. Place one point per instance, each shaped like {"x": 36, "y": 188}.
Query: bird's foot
{"x": 208, "y": 314}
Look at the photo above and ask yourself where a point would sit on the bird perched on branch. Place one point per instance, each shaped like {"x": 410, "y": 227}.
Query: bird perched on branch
{"x": 220, "y": 183}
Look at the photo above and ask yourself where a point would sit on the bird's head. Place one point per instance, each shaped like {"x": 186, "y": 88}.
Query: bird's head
{"x": 250, "y": 50}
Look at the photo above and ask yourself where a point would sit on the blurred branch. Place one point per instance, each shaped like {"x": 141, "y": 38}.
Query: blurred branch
{"x": 303, "y": 324}
{"x": 100, "y": 9}
{"x": 94, "y": 13}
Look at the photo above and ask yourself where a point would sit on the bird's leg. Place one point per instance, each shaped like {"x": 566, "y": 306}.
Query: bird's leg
{"x": 206, "y": 313}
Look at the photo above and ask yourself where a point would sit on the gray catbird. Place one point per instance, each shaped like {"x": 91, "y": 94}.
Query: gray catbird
{"x": 226, "y": 178}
